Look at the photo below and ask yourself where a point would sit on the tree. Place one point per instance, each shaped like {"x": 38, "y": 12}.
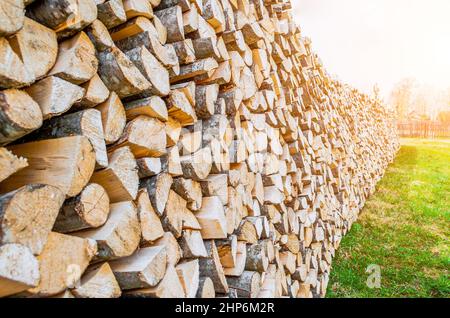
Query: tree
{"x": 401, "y": 97}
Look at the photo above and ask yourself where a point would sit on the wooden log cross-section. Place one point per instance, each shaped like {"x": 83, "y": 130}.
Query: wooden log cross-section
{"x": 176, "y": 148}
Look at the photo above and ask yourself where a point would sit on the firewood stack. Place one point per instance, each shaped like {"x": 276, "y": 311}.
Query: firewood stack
{"x": 175, "y": 148}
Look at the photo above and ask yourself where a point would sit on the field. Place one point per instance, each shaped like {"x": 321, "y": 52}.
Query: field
{"x": 404, "y": 229}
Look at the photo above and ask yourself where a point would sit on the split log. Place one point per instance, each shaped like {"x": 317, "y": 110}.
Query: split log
{"x": 198, "y": 165}
{"x": 149, "y": 221}
{"x": 135, "y": 8}
{"x": 120, "y": 179}
{"x": 191, "y": 243}
{"x": 113, "y": 118}
{"x": 97, "y": 282}
{"x": 189, "y": 275}
{"x": 90, "y": 209}
{"x": 148, "y": 167}
{"x": 158, "y": 188}
{"x": 54, "y": 95}
{"x": 152, "y": 106}
{"x": 227, "y": 250}
{"x": 205, "y": 288}
{"x": 152, "y": 69}
{"x": 36, "y": 46}
{"x": 120, "y": 74}
{"x": 174, "y": 252}
{"x": 27, "y": 215}
{"x": 95, "y": 93}
{"x": 76, "y": 60}
{"x": 19, "y": 270}
{"x": 211, "y": 217}
{"x": 177, "y": 217}
{"x": 66, "y": 163}
{"x": 61, "y": 263}
{"x": 172, "y": 19}
{"x": 10, "y": 163}
{"x": 87, "y": 123}
{"x": 247, "y": 285}
{"x": 12, "y": 16}
{"x": 145, "y": 136}
{"x": 100, "y": 38}
{"x": 211, "y": 267}
{"x": 169, "y": 287}
{"x": 19, "y": 115}
{"x": 190, "y": 191}
{"x": 13, "y": 72}
{"x": 180, "y": 108}
{"x": 112, "y": 13}
{"x": 143, "y": 269}
{"x": 241, "y": 257}
{"x": 119, "y": 236}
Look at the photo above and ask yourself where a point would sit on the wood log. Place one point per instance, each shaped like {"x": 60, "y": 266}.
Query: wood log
{"x": 205, "y": 288}
{"x": 158, "y": 189}
{"x": 189, "y": 275}
{"x": 37, "y": 47}
{"x": 190, "y": 191}
{"x": 61, "y": 263}
{"x": 119, "y": 237}
{"x": 211, "y": 217}
{"x": 99, "y": 36}
{"x": 172, "y": 19}
{"x": 169, "y": 287}
{"x": 151, "y": 227}
{"x": 13, "y": 72}
{"x": 95, "y": 93}
{"x": 247, "y": 285}
{"x": 89, "y": 209}
{"x": 120, "y": 179}
{"x": 76, "y": 60}
{"x": 54, "y": 95}
{"x": 112, "y": 13}
{"x": 10, "y": 163}
{"x": 191, "y": 243}
{"x": 135, "y": 8}
{"x": 241, "y": 257}
{"x": 87, "y": 123}
{"x": 145, "y": 136}
{"x": 152, "y": 69}
{"x": 177, "y": 217}
{"x": 66, "y": 163}
{"x": 211, "y": 267}
{"x": 174, "y": 252}
{"x": 180, "y": 108}
{"x": 120, "y": 74}
{"x": 66, "y": 18}
{"x": 97, "y": 282}
{"x": 19, "y": 115}
{"x": 143, "y": 269}
{"x": 19, "y": 270}
{"x": 198, "y": 165}
{"x": 11, "y": 17}
{"x": 113, "y": 118}
{"x": 153, "y": 106}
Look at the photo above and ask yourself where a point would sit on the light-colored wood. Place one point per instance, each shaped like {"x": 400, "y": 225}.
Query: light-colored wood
{"x": 66, "y": 163}
{"x": 61, "y": 263}
{"x": 119, "y": 237}
{"x": 149, "y": 221}
{"x": 19, "y": 113}
{"x": 143, "y": 269}
{"x": 89, "y": 209}
{"x": 10, "y": 163}
{"x": 189, "y": 274}
{"x": 97, "y": 282}
{"x": 211, "y": 217}
{"x": 120, "y": 179}
{"x": 12, "y": 16}
{"x": 113, "y": 118}
{"x": 19, "y": 270}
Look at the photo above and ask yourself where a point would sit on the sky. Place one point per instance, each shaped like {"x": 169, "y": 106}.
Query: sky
{"x": 365, "y": 42}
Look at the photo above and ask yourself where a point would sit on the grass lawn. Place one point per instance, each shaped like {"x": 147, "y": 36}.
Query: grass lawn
{"x": 404, "y": 228}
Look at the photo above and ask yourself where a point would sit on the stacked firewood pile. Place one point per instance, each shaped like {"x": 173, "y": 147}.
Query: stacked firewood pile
{"x": 175, "y": 148}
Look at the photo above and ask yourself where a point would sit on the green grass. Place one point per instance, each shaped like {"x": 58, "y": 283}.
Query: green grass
{"x": 404, "y": 228}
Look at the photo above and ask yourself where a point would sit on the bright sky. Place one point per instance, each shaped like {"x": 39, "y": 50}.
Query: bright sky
{"x": 365, "y": 42}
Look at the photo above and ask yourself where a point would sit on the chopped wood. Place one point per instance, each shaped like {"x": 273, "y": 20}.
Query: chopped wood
{"x": 97, "y": 282}
{"x": 10, "y": 163}
{"x": 89, "y": 209}
{"x": 66, "y": 163}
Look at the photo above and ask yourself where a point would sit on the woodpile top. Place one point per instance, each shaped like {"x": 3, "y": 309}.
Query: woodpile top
{"x": 175, "y": 148}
